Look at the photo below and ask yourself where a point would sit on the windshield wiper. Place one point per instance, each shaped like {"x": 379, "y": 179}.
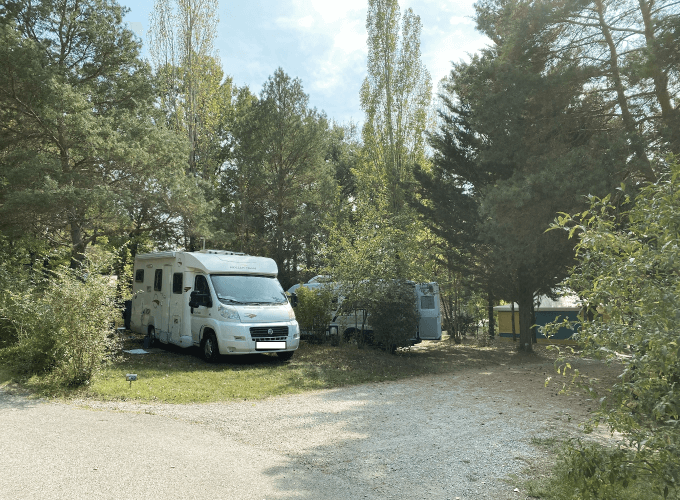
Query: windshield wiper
{"x": 230, "y": 300}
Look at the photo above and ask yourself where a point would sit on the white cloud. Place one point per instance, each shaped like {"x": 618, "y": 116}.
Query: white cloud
{"x": 332, "y": 12}
{"x": 456, "y": 20}
{"x": 306, "y": 22}
{"x": 337, "y": 33}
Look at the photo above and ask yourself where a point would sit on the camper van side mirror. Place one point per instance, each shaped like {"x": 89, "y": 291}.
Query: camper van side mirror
{"x": 193, "y": 300}
{"x": 293, "y": 299}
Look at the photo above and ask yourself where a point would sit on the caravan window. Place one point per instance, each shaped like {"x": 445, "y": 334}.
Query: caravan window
{"x": 427, "y": 302}
{"x": 158, "y": 280}
{"x": 139, "y": 275}
{"x": 177, "y": 282}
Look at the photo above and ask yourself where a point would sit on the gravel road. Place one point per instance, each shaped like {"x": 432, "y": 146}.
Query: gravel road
{"x": 448, "y": 437}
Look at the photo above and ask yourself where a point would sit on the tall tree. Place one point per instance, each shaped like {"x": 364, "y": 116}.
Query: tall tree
{"x": 395, "y": 97}
{"x": 181, "y": 41}
{"x": 629, "y": 50}
{"x": 277, "y": 186}
{"x": 379, "y": 230}
{"x": 80, "y": 154}
{"x": 519, "y": 141}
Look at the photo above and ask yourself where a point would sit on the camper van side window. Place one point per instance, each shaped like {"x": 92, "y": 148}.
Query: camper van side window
{"x": 427, "y": 302}
{"x": 177, "y": 282}
{"x": 139, "y": 276}
{"x": 158, "y": 280}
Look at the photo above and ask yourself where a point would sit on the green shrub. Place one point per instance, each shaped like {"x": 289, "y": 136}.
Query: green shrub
{"x": 62, "y": 326}
{"x": 393, "y": 313}
{"x": 590, "y": 471}
{"x": 627, "y": 274}
{"x": 313, "y": 311}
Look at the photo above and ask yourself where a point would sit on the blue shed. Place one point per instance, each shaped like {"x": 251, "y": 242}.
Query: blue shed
{"x": 548, "y": 310}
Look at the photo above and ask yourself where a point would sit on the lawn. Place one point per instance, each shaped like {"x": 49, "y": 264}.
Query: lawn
{"x": 175, "y": 375}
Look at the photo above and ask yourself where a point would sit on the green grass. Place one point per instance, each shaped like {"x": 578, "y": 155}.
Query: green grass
{"x": 177, "y": 375}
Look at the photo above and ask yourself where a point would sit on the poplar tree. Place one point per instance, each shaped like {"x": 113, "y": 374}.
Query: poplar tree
{"x": 181, "y": 43}
{"x": 395, "y": 96}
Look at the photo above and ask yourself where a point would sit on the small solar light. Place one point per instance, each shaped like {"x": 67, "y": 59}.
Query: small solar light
{"x": 130, "y": 377}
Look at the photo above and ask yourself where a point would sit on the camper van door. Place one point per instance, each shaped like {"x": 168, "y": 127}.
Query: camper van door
{"x": 164, "y": 296}
{"x": 200, "y": 314}
{"x": 430, "y": 326}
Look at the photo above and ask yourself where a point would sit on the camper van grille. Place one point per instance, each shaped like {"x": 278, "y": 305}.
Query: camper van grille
{"x": 271, "y": 333}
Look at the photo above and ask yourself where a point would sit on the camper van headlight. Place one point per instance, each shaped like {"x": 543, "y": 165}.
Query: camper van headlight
{"x": 228, "y": 312}
{"x": 291, "y": 313}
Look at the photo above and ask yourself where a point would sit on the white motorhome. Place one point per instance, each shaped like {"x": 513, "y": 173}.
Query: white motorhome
{"x": 223, "y": 302}
{"x": 346, "y": 322}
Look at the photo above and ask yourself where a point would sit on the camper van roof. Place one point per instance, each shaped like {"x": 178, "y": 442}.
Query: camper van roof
{"x": 220, "y": 262}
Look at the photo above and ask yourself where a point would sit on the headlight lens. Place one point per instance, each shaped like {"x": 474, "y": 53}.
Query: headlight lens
{"x": 291, "y": 313}
{"x": 228, "y": 312}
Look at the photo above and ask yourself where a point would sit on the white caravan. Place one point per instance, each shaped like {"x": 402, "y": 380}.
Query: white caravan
{"x": 346, "y": 322}
{"x": 223, "y": 302}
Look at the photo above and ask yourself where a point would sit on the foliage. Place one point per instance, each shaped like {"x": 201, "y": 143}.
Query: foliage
{"x": 313, "y": 310}
{"x": 512, "y": 130}
{"x": 81, "y": 152}
{"x": 591, "y": 471}
{"x": 628, "y": 263}
{"x": 277, "y": 189}
{"x": 628, "y": 51}
{"x": 194, "y": 94}
{"x": 61, "y": 322}
{"x": 393, "y": 313}
{"x": 395, "y": 96}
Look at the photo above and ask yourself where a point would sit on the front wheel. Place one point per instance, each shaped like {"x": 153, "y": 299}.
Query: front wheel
{"x": 210, "y": 350}
{"x": 285, "y": 355}
{"x": 150, "y": 338}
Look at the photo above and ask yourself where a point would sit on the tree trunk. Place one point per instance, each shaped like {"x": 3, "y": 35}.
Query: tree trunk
{"x": 668, "y": 113}
{"x": 525, "y": 299}
{"x": 643, "y": 163}
{"x": 77, "y": 245}
{"x": 492, "y": 323}
{"x": 512, "y": 309}
{"x": 533, "y": 322}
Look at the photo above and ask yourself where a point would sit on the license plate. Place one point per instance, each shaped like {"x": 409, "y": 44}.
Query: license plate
{"x": 269, "y": 345}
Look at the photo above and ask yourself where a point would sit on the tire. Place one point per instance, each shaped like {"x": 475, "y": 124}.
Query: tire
{"x": 150, "y": 338}
{"x": 209, "y": 348}
{"x": 285, "y": 355}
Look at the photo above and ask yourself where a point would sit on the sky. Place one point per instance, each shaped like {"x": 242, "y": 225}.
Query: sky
{"x": 323, "y": 43}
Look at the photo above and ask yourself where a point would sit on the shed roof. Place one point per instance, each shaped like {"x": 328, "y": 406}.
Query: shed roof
{"x": 569, "y": 302}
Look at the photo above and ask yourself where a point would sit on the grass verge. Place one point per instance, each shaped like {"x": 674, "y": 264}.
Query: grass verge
{"x": 177, "y": 375}
{"x": 560, "y": 477}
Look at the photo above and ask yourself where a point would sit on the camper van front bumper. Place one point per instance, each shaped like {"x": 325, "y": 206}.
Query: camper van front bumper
{"x": 249, "y": 338}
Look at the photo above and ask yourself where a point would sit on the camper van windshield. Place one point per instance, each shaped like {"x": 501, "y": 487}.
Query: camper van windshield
{"x": 237, "y": 289}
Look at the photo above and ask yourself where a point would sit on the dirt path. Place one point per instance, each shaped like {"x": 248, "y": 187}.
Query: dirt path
{"x": 446, "y": 437}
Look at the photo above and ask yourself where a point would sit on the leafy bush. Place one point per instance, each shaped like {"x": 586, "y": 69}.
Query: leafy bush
{"x": 313, "y": 311}
{"x": 627, "y": 275}
{"x": 393, "y": 313}
{"x": 590, "y": 471}
{"x": 61, "y": 325}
